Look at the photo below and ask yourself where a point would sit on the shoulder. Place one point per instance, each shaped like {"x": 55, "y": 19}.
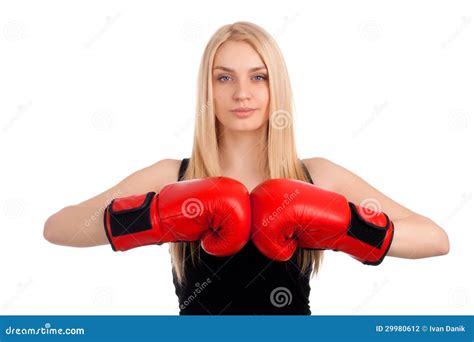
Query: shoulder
{"x": 323, "y": 172}
{"x": 166, "y": 165}
{"x": 330, "y": 175}
{"x": 164, "y": 171}
{"x": 333, "y": 177}
{"x": 149, "y": 178}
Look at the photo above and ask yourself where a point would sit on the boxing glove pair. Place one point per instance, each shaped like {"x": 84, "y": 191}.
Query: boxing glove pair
{"x": 279, "y": 215}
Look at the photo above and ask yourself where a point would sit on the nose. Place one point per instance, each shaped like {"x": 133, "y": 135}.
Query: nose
{"x": 242, "y": 91}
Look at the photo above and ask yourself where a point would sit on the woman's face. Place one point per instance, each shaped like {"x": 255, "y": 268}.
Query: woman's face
{"x": 240, "y": 80}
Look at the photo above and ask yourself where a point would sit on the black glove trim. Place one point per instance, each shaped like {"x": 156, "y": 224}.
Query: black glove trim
{"x": 131, "y": 221}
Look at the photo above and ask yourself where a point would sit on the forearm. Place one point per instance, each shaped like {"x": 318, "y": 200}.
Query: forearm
{"x": 76, "y": 226}
{"x": 418, "y": 237}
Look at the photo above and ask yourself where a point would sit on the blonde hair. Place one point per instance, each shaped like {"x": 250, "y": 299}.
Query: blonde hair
{"x": 279, "y": 159}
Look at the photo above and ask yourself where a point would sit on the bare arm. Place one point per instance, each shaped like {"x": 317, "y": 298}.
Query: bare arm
{"x": 416, "y": 236}
{"x": 81, "y": 225}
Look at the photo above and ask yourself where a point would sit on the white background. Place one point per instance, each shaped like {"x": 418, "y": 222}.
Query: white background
{"x": 92, "y": 91}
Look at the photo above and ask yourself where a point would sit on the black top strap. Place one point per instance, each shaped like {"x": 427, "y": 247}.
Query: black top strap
{"x": 307, "y": 173}
{"x": 182, "y": 168}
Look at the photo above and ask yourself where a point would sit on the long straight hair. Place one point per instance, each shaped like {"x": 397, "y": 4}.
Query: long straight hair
{"x": 279, "y": 159}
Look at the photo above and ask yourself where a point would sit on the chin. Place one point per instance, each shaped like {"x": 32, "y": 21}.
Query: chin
{"x": 244, "y": 125}
{"x": 248, "y": 124}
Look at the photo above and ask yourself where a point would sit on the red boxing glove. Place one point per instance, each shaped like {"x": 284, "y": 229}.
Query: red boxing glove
{"x": 214, "y": 210}
{"x": 288, "y": 213}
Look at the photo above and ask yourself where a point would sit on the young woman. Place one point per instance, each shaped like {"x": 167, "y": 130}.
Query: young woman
{"x": 243, "y": 131}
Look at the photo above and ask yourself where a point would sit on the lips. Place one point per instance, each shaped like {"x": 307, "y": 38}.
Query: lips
{"x": 243, "y": 112}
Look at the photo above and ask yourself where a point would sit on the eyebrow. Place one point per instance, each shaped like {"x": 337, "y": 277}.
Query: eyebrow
{"x": 232, "y": 70}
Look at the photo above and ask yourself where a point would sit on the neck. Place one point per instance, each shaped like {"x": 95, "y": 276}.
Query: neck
{"x": 243, "y": 150}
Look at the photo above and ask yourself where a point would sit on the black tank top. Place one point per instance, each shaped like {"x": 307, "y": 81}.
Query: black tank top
{"x": 246, "y": 283}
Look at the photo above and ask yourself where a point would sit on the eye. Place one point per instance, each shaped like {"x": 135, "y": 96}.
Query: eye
{"x": 221, "y": 77}
{"x": 262, "y": 76}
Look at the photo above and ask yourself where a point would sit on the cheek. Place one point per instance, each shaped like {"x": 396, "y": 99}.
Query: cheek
{"x": 217, "y": 96}
{"x": 221, "y": 97}
{"x": 263, "y": 98}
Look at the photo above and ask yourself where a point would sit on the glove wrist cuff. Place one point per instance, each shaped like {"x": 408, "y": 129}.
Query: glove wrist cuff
{"x": 373, "y": 231}
{"x": 128, "y": 221}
